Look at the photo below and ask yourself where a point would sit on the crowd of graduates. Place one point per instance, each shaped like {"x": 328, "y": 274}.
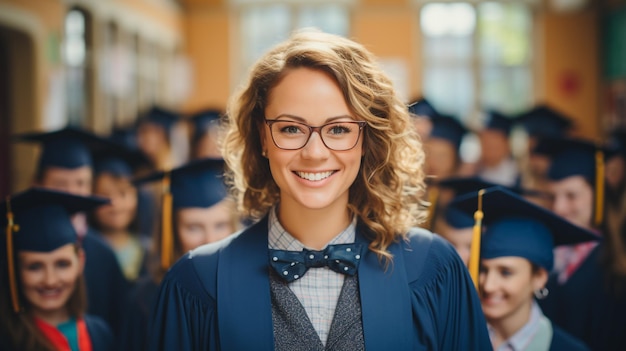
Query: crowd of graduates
{"x": 88, "y": 245}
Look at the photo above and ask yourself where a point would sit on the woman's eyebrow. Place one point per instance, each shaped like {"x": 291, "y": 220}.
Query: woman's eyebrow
{"x": 303, "y": 120}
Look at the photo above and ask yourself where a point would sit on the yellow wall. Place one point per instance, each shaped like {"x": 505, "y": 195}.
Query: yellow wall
{"x": 570, "y": 59}
{"x": 207, "y": 44}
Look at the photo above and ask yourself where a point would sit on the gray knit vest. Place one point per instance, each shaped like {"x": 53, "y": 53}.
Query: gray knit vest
{"x": 293, "y": 330}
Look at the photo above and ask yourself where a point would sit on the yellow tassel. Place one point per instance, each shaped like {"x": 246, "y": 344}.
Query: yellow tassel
{"x": 167, "y": 237}
{"x": 10, "y": 229}
{"x": 474, "y": 261}
{"x": 599, "y": 208}
{"x": 433, "y": 196}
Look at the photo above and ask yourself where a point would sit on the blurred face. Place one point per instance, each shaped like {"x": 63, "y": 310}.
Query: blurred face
{"x": 152, "y": 139}
{"x": 423, "y": 126}
{"x": 49, "y": 278}
{"x": 120, "y": 212}
{"x": 506, "y": 288}
{"x": 441, "y": 159}
{"x": 199, "y": 226}
{"x": 461, "y": 239}
{"x": 494, "y": 147}
{"x": 75, "y": 181}
{"x": 207, "y": 146}
{"x": 572, "y": 199}
{"x": 313, "y": 177}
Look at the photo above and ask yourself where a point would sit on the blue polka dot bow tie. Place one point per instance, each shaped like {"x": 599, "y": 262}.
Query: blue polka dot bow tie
{"x": 291, "y": 265}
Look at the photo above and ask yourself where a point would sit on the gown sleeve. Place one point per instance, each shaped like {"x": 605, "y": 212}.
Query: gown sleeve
{"x": 184, "y": 316}
{"x": 100, "y": 334}
{"x": 446, "y": 308}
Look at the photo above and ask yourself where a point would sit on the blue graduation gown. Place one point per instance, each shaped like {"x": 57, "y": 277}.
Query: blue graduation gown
{"x": 561, "y": 341}
{"x": 99, "y": 333}
{"x": 136, "y": 312}
{"x": 218, "y": 298}
{"x": 106, "y": 285}
{"x": 585, "y": 308}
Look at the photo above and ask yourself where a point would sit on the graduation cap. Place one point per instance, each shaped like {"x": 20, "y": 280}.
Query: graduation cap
{"x": 40, "y": 220}
{"x": 69, "y": 147}
{"x": 465, "y": 185}
{"x": 126, "y": 136}
{"x": 497, "y": 121}
{"x": 422, "y": 108}
{"x": 203, "y": 121}
{"x": 577, "y": 157}
{"x": 515, "y": 227}
{"x": 199, "y": 183}
{"x": 160, "y": 116}
{"x": 449, "y": 129}
{"x": 544, "y": 121}
{"x": 118, "y": 160}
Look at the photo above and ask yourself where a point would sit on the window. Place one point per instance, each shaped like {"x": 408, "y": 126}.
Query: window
{"x": 264, "y": 24}
{"x": 477, "y": 56}
{"x": 76, "y": 51}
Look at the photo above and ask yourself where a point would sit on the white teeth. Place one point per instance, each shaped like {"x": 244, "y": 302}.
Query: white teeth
{"x": 314, "y": 176}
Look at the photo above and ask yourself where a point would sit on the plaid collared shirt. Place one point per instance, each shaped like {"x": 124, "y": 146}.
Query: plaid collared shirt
{"x": 318, "y": 290}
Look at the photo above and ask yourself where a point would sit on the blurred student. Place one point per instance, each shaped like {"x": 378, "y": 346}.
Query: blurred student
{"x": 516, "y": 256}
{"x": 201, "y": 212}
{"x": 585, "y": 298}
{"x": 422, "y": 112}
{"x": 155, "y": 136}
{"x": 117, "y": 221}
{"x": 496, "y": 163}
{"x": 66, "y": 164}
{"x": 205, "y": 134}
{"x": 42, "y": 287}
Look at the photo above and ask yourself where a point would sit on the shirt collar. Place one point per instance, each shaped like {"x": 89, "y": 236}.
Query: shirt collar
{"x": 280, "y": 239}
{"x": 520, "y": 340}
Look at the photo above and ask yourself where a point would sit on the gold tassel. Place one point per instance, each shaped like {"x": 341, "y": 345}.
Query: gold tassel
{"x": 167, "y": 237}
{"x": 10, "y": 229}
{"x": 433, "y": 197}
{"x": 474, "y": 261}
{"x": 599, "y": 208}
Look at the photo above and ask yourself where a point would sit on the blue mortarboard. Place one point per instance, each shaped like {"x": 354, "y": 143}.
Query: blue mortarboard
{"x": 465, "y": 185}
{"x": 517, "y": 227}
{"x": 544, "y": 121}
{"x": 203, "y": 121}
{"x": 65, "y": 148}
{"x": 196, "y": 184}
{"x": 160, "y": 116}
{"x": 422, "y": 108}
{"x": 126, "y": 136}
{"x": 40, "y": 220}
{"x": 118, "y": 160}
{"x": 571, "y": 157}
{"x": 498, "y": 121}
{"x": 448, "y": 128}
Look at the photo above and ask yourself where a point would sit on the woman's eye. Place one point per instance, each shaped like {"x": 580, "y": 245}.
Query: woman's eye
{"x": 63, "y": 263}
{"x": 291, "y": 129}
{"x": 33, "y": 266}
{"x": 339, "y": 129}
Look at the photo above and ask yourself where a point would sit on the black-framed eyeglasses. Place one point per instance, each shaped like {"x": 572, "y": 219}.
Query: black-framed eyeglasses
{"x": 337, "y": 136}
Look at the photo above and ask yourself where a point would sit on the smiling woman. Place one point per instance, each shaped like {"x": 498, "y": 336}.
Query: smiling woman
{"x": 322, "y": 154}
{"x": 42, "y": 300}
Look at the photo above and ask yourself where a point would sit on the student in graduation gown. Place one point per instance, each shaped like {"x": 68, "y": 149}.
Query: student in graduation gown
{"x": 202, "y": 213}
{"x": 422, "y": 112}
{"x": 117, "y": 222}
{"x": 584, "y": 297}
{"x": 496, "y": 163}
{"x": 322, "y": 151}
{"x": 542, "y": 121}
{"x": 205, "y": 135}
{"x": 443, "y": 159}
{"x": 42, "y": 300}
{"x": 516, "y": 255}
{"x": 66, "y": 164}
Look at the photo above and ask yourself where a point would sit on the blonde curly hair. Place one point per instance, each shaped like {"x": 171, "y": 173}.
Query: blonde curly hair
{"x": 386, "y": 194}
